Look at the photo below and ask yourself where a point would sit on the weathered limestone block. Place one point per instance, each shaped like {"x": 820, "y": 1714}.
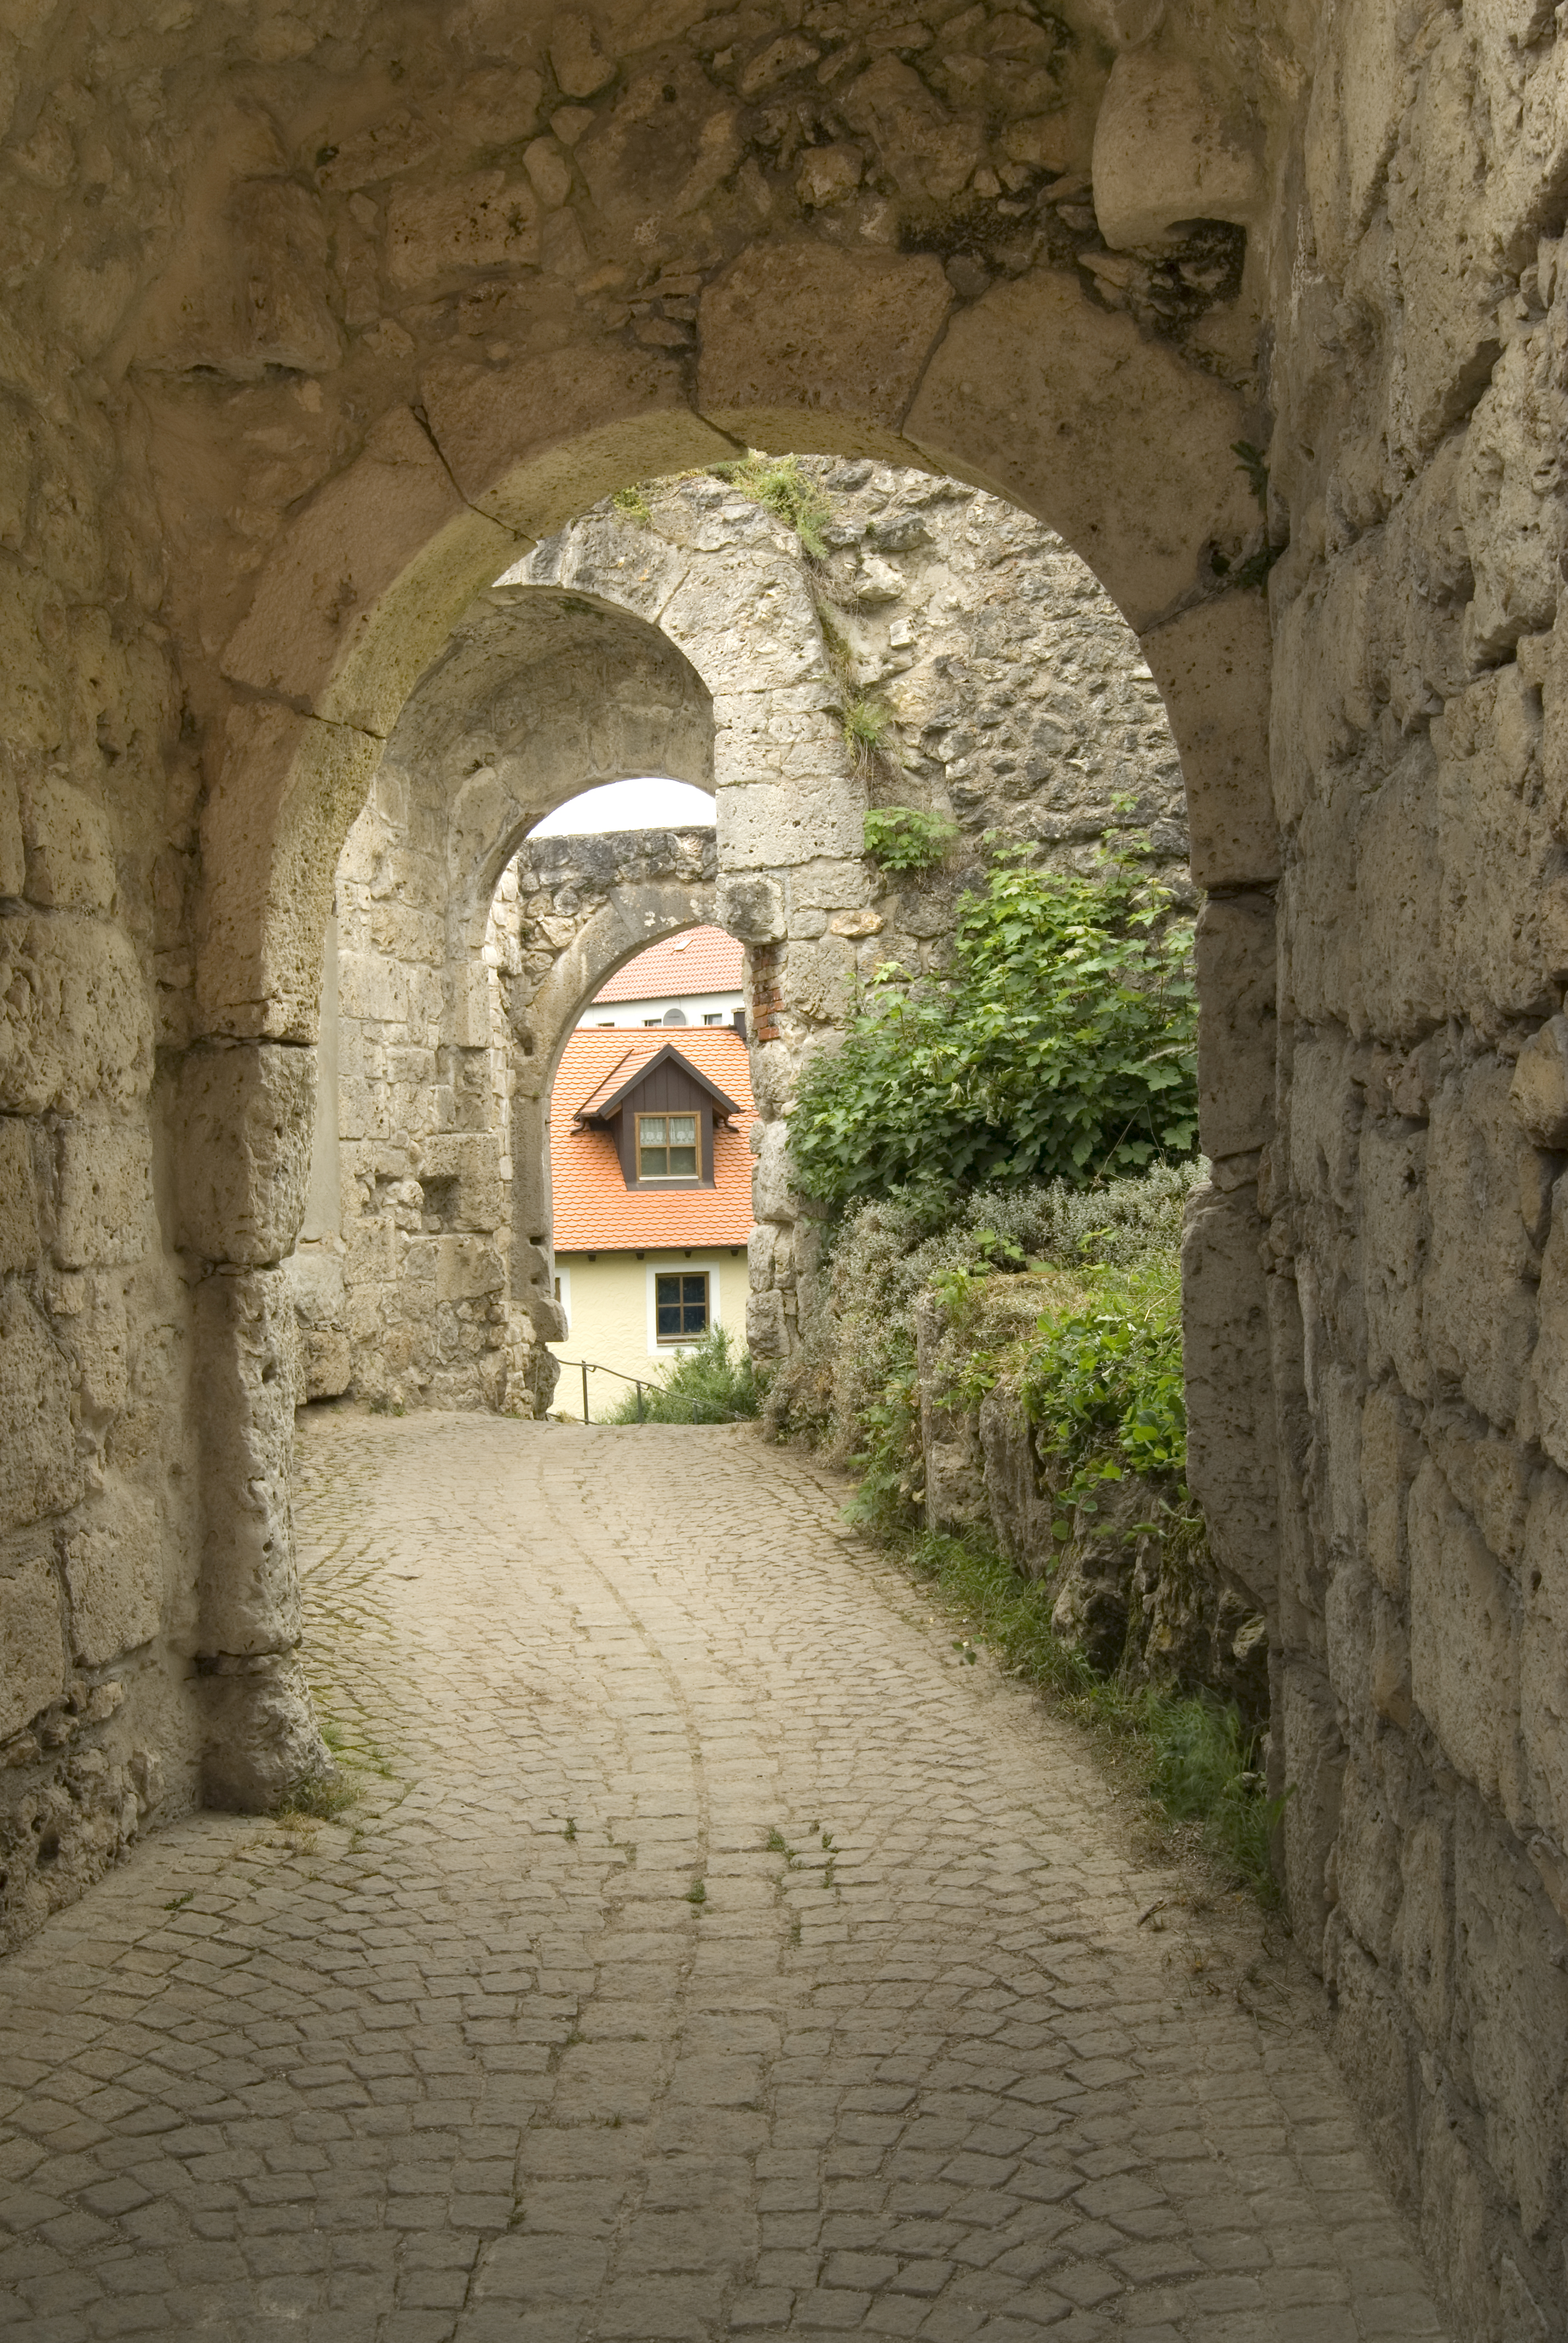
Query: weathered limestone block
{"x": 1399, "y": 899}
{"x": 262, "y": 1738}
{"x": 1504, "y": 908}
{"x": 1512, "y": 1996}
{"x": 114, "y": 1551}
{"x": 752, "y": 908}
{"x": 1463, "y": 1641}
{"x": 1212, "y": 665}
{"x": 1090, "y": 1614}
{"x": 1395, "y": 1243}
{"x": 1359, "y": 93}
{"x": 773, "y": 1193}
{"x": 1542, "y": 1680}
{"x": 767, "y": 1328}
{"x": 1305, "y": 1718}
{"x": 1230, "y": 1436}
{"x": 1478, "y": 1302}
{"x": 1172, "y": 143}
{"x": 104, "y": 1194}
{"x": 466, "y": 1269}
{"x": 70, "y": 854}
{"x": 19, "y": 1239}
{"x": 249, "y": 1590}
{"x": 247, "y": 1109}
{"x": 40, "y": 1470}
{"x": 1371, "y": 2039}
{"x": 1236, "y": 985}
{"x": 1510, "y": 491}
{"x": 1021, "y": 1513}
{"x": 1539, "y": 1090}
{"x": 469, "y": 1162}
{"x": 1322, "y": 698}
{"x": 1391, "y": 1454}
{"x": 33, "y": 1669}
{"x": 74, "y": 1020}
{"x": 1422, "y": 590}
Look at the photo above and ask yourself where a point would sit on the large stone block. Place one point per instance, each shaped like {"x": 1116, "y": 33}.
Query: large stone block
{"x": 467, "y": 1268}
{"x": 114, "y": 1550}
{"x": 1504, "y": 904}
{"x": 1510, "y": 491}
{"x": 40, "y": 1470}
{"x": 810, "y": 326}
{"x": 245, "y": 1361}
{"x": 1212, "y": 665}
{"x": 1305, "y": 1715}
{"x": 1395, "y": 1240}
{"x": 1398, "y": 905}
{"x": 18, "y": 1196}
{"x": 1544, "y": 1640}
{"x": 70, "y": 854}
{"x": 1236, "y": 985}
{"x": 1512, "y": 2005}
{"x": 1359, "y": 93}
{"x": 1463, "y": 1641}
{"x": 31, "y": 1636}
{"x": 772, "y": 1190}
{"x": 1478, "y": 1300}
{"x": 262, "y": 1737}
{"x": 247, "y": 1110}
{"x": 1230, "y": 1436}
{"x": 466, "y": 1162}
{"x": 76, "y": 1023}
{"x": 103, "y": 1196}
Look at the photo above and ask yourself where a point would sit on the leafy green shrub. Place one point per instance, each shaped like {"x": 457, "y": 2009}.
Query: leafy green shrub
{"x": 1062, "y": 1045}
{"x": 632, "y": 503}
{"x": 709, "y": 1384}
{"x": 789, "y": 493}
{"x": 902, "y": 838}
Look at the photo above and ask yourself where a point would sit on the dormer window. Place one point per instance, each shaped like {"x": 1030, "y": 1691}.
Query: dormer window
{"x": 668, "y": 1147}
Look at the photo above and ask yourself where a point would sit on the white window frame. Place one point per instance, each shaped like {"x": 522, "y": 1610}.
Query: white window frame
{"x": 667, "y": 1267}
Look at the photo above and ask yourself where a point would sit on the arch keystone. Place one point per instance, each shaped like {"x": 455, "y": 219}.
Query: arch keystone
{"x": 805, "y": 338}
{"x": 1111, "y": 440}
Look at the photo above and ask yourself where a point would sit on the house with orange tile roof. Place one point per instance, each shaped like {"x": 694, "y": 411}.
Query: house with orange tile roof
{"x": 650, "y": 1175}
{"x": 691, "y": 979}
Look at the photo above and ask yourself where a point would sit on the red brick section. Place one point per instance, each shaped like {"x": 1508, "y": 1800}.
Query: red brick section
{"x": 702, "y": 960}
{"x": 594, "y": 1210}
{"x": 767, "y": 1002}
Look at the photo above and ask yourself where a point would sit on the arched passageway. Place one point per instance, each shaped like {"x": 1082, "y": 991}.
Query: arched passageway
{"x": 315, "y": 324}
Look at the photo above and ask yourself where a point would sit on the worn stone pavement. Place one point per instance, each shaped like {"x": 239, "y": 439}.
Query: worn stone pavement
{"x": 716, "y": 1953}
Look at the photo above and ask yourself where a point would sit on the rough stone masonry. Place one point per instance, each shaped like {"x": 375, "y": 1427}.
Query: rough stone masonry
{"x": 320, "y": 319}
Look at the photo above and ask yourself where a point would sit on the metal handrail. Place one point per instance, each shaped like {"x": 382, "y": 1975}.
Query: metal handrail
{"x": 594, "y": 1366}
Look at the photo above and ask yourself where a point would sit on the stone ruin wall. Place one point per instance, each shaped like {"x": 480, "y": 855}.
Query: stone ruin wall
{"x": 316, "y": 319}
{"x": 1023, "y": 710}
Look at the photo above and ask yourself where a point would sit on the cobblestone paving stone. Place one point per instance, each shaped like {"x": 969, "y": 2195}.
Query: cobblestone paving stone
{"x": 717, "y": 1955}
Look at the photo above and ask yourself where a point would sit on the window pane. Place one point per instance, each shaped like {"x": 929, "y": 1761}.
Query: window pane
{"x": 651, "y": 1127}
{"x": 682, "y": 1130}
{"x": 694, "y": 1289}
{"x": 683, "y": 1162}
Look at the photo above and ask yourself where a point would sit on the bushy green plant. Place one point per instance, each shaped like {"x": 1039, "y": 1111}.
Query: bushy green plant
{"x": 632, "y": 504}
{"x": 866, "y": 723}
{"x": 789, "y": 493}
{"x": 902, "y": 838}
{"x": 1062, "y": 1045}
{"x": 708, "y": 1384}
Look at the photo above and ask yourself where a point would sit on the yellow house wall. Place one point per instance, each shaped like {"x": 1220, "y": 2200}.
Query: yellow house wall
{"x": 609, "y": 1307}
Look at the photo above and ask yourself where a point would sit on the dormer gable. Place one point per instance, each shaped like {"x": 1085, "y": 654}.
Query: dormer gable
{"x": 661, "y": 1112}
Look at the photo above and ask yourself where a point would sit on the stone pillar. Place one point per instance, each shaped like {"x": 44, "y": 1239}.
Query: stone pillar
{"x": 247, "y": 1111}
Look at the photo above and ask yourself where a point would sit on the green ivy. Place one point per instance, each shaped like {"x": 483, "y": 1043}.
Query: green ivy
{"x": 1061, "y": 1046}
{"x": 902, "y": 838}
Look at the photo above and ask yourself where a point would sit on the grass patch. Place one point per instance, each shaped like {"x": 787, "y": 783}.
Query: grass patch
{"x": 321, "y": 1797}
{"x": 1194, "y": 1758}
{"x": 709, "y": 1384}
{"x": 866, "y": 722}
{"x": 789, "y": 494}
{"x": 631, "y": 504}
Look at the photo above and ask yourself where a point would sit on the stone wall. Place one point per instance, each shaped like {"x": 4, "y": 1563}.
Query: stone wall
{"x": 318, "y": 319}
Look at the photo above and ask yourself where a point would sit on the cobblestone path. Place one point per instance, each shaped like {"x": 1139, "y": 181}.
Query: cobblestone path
{"x": 717, "y": 1955}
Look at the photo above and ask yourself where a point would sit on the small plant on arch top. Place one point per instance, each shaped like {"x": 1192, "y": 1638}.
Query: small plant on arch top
{"x": 903, "y": 839}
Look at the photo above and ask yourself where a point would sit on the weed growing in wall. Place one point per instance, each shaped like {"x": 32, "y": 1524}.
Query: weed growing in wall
{"x": 903, "y": 839}
{"x": 792, "y": 497}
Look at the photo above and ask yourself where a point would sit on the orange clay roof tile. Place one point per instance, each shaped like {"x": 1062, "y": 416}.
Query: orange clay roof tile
{"x": 594, "y": 1210}
{"x": 701, "y": 959}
